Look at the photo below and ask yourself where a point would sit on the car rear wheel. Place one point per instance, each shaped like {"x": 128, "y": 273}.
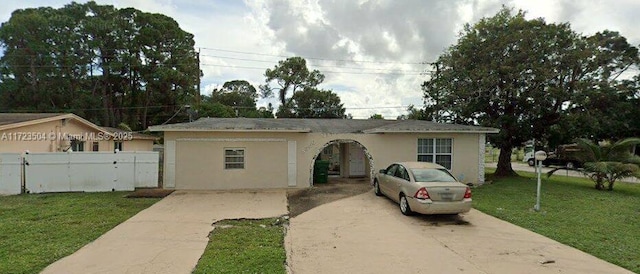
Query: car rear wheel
{"x": 404, "y": 205}
{"x": 376, "y": 188}
{"x": 531, "y": 162}
{"x": 571, "y": 165}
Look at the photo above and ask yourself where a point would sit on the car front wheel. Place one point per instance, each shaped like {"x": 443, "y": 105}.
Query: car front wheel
{"x": 376, "y": 188}
{"x": 404, "y": 206}
{"x": 571, "y": 165}
{"x": 531, "y": 162}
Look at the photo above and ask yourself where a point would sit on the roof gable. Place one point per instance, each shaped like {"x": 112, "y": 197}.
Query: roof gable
{"x": 15, "y": 120}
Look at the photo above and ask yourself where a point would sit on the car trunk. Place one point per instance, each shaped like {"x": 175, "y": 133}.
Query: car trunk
{"x": 445, "y": 191}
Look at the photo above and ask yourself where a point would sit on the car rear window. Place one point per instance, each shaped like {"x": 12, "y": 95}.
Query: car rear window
{"x": 432, "y": 175}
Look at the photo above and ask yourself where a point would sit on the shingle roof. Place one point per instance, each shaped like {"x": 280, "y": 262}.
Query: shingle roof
{"x": 319, "y": 126}
{"x": 14, "y": 118}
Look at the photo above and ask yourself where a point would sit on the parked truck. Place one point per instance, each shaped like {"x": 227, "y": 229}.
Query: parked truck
{"x": 564, "y": 155}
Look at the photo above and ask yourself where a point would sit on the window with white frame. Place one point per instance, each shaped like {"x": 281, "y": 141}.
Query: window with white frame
{"x": 436, "y": 150}
{"x": 234, "y": 158}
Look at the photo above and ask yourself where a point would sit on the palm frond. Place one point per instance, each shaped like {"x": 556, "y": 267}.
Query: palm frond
{"x": 590, "y": 151}
{"x": 621, "y": 150}
{"x": 552, "y": 171}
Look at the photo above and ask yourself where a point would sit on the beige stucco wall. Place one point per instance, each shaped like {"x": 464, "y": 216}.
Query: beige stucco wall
{"x": 199, "y": 162}
{"x": 200, "y": 165}
{"x": 45, "y": 137}
{"x": 136, "y": 145}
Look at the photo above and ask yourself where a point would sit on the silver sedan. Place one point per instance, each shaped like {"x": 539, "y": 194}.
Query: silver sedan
{"x": 424, "y": 188}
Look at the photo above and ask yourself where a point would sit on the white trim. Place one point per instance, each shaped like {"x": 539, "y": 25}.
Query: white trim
{"x": 231, "y": 139}
{"x": 292, "y": 164}
{"x": 481, "y": 151}
{"x": 169, "y": 178}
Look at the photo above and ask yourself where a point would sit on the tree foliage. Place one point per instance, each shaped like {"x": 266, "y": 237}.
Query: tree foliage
{"x": 376, "y": 116}
{"x": 289, "y": 75}
{"x": 521, "y": 76}
{"x": 313, "y": 103}
{"x": 414, "y": 113}
{"x": 105, "y": 64}
{"x": 608, "y": 162}
{"x": 236, "y": 98}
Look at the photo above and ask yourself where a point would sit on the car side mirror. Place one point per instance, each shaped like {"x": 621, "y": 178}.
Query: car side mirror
{"x": 382, "y": 171}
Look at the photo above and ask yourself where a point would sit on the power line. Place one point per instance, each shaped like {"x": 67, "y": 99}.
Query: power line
{"x": 193, "y": 54}
{"x": 320, "y": 66}
{"x": 313, "y": 58}
{"x": 120, "y": 66}
{"x": 99, "y": 68}
{"x": 339, "y": 72}
{"x": 180, "y": 107}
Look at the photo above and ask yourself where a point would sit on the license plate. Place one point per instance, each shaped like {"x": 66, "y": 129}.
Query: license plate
{"x": 446, "y": 196}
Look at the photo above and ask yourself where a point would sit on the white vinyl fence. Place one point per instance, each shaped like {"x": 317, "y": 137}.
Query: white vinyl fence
{"x": 10, "y": 173}
{"x": 85, "y": 171}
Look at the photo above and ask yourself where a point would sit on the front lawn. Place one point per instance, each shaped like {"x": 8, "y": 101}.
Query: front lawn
{"x": 245, "y": 246}
{"x": 605, "y": 224}
{"x": 38, "y": 229}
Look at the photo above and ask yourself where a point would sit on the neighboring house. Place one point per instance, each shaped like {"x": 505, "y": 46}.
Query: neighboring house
{"x": 246, "y": 153}
{"x": 134, "y": 141}
{"x": 57, "y": 132}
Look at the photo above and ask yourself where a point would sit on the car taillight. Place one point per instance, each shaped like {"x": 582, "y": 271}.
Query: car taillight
{"x": 467, "y": 193}
{"x": 422, "y": 194}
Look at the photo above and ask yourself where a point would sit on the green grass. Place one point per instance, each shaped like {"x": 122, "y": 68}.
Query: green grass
{"x": 38, "y": 229}
{"x": 605, "y": 224}
{"x": 245, "y": 246}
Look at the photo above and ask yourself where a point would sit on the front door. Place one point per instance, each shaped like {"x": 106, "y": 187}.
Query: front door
{"x": 356, "y": 161}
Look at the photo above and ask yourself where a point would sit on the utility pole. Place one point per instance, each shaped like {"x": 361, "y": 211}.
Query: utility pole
{"x": 199, "y": 76}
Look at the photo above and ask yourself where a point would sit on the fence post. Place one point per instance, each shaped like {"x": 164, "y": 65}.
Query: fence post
{"x": 23, "y": 172}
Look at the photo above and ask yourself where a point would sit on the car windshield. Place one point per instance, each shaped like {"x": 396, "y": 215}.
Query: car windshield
{"x": 432, "y": 175}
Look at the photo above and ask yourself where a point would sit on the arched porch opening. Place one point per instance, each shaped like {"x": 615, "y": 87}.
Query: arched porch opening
{"x": 348, "y": 159}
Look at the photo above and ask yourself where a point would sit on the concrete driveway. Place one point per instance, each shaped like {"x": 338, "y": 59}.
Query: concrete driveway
{"x": 368, "y": 234}
{"x": 171, "y": 235}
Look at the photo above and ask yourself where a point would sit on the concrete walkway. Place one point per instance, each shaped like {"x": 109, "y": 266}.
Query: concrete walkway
{"x": 520, "y": 166}
{"x": 171, "y": 235}
{"x": 368, "y": 234}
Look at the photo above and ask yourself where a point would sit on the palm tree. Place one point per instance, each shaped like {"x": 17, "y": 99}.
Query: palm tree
{"x": 607, "y": 162}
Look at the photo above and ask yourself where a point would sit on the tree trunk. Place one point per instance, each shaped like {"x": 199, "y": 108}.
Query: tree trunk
{"x": 105, "y": 104}
{"x": 610, "y": 186}
{"x": 504, "y": 162}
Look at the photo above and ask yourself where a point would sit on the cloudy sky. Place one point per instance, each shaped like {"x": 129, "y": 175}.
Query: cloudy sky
{"x": 373, "y": 52}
